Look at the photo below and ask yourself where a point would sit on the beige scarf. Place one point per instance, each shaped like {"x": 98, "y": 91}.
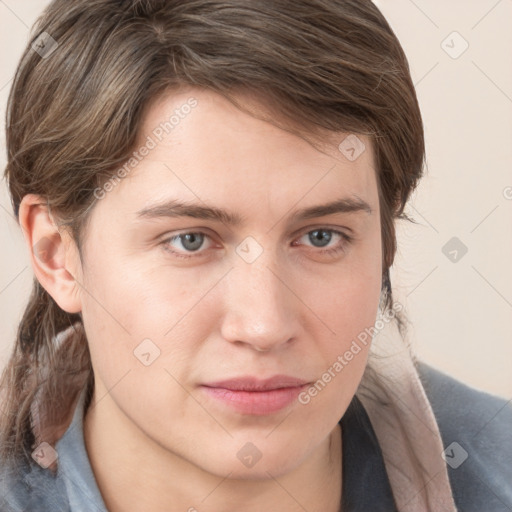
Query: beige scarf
{"x": 404, "y": 423}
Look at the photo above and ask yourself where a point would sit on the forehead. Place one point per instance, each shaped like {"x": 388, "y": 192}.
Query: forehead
{"x": 214, "y": 121}
{"x": 201, "y": 147}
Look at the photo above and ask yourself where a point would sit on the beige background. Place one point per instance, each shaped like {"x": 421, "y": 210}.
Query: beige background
{"x": 461, "y": 310}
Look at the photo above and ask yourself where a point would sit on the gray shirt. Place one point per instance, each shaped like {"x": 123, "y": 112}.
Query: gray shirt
{"x": 480, "y": 424}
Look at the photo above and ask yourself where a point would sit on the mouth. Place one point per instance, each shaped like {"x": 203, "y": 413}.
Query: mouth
{"x": 249, "y": 395}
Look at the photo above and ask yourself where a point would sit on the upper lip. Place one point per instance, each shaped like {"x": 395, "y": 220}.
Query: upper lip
{"x": 255, "y": 384}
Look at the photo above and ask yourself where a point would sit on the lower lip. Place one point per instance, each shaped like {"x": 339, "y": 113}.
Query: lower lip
{"x": 256, "y": 402}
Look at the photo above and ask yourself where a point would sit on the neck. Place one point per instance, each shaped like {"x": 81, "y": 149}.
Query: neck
{"x": 135, "y": 473}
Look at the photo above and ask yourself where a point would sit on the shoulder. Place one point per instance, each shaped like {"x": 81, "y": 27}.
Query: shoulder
{"x": 30, "y": 487}
{"x": 476, "y": 429}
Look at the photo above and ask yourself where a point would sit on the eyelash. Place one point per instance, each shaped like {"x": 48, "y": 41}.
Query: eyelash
{"x": 346, "y": 240}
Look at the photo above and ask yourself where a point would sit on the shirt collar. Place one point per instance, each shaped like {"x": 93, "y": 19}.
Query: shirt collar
{"x": 364, "y": 478}
{"x": 74, "y": 467}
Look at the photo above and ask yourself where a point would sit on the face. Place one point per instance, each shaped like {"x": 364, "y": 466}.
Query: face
{"x": 173, "y": 304}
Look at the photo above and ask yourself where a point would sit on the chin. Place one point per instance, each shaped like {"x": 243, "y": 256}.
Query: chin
{"x": 252, "y": 463}
{"x": 260, "y": 471}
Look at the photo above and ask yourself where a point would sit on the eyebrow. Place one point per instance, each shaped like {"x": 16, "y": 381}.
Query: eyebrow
{"x": 175, "y": 208}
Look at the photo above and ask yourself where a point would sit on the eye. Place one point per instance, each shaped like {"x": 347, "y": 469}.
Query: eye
{"x": 190, "y": 241}
{"x": 323, "y": 236}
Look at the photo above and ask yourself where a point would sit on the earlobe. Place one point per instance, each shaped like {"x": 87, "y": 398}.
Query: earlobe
{"x": 53, "y": 253}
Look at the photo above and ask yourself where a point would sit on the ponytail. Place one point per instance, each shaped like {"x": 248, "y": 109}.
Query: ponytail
{"x": 42, "y": 379}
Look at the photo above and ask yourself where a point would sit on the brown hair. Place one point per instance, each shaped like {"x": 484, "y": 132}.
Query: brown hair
{"x": 73, "y": 117}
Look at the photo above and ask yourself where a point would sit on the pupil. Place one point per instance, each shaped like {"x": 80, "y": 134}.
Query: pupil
{"x": 194, "y": 238}
{"x": 317, "y": 235}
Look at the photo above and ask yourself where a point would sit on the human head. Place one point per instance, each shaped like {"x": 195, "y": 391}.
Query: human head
{"x": 75, "y": 115}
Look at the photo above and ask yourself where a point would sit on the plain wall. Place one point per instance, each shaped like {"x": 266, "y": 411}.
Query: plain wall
{"x": 460, "y": 306}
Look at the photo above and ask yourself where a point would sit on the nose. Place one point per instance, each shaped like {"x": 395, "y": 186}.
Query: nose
{"x": 260, "y": 310}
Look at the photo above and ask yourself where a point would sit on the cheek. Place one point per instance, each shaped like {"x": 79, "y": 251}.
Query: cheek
{"x": 116, "y": 316}
{"x": 128, "y": 303}
{"x": 348, "y": 294}
{"x": 349, "y": 307}
{"x": 350, "y": 311}
{"x": 127, "y": 296}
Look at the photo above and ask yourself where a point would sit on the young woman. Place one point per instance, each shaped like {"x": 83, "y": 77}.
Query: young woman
{"x": 208, "y": 190}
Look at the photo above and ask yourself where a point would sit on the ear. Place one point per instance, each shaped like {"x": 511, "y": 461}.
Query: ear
{"x": 53, "y": 253}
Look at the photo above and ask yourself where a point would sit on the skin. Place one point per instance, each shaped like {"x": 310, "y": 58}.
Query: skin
{"x": 154, "y": 438}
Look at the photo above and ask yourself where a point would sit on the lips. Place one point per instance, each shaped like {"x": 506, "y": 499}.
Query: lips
{"x": 255, "y": 384}
{"x": 249, "y": 395}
